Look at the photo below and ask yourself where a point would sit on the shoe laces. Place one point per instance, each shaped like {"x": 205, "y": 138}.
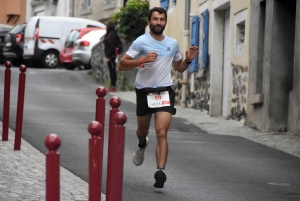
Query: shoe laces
{"x": 140, "y": 152}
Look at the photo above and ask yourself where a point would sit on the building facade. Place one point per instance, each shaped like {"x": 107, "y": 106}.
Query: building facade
{"x": 247, "y": 68}
{"x": 12, "y": 12}
{"x": 48, "y": 8}
{"x": 274, "y": 66}
{"x": 100, "y": 10}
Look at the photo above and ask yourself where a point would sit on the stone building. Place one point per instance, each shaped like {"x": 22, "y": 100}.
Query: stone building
{"x": 247, "y": 68}
{"x": 12, "y": 12}
{"x": 274, "y": 66}
{"x": 96, "y": 9}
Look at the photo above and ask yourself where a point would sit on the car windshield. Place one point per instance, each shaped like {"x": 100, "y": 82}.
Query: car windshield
{"x": 18, "y": 29}
{"x": 3, "y": 32}
{"x": 73, "y": 36}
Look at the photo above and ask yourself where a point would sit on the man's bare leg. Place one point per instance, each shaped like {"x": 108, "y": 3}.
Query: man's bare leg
{"x": 142, "y": 132}
{"x": 143, "y": 127}
{"x": 162, "y": 124}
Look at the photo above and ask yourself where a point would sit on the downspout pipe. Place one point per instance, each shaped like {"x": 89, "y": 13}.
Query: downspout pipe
{"x": 186, "y": 39}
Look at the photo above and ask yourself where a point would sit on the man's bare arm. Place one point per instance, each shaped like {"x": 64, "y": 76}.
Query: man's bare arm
{"x": 180, "y": 65}
{"x": 128, "y": 63}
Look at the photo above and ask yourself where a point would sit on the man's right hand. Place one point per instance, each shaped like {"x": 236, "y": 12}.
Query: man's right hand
{"x": 151, "y": 57}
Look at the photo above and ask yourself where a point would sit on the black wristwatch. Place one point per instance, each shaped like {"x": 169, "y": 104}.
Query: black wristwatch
{"x": 187, "y": 62}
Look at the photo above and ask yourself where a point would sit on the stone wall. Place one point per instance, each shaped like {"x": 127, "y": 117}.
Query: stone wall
{"x": 239, "y": 92}
{"x": 100, "y": 72}
{"x": 200, "y": 98}
{"x": 98, "y": 64}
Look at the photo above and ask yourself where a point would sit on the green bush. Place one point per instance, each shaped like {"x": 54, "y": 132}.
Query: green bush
{"x": 131, "y": 20}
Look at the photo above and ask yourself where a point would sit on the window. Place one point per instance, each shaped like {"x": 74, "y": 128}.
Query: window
{"x": 164, "y": 3}
{"x": 86, "y": 7}
{"x": 194, "y": 42}
{"x": 240, "y": 33}
{"x": 86, "y": 4}
{"x": 109, "y": 4}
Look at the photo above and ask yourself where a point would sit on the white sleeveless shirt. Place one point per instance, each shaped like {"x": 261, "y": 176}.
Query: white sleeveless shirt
{"x": 158, "y": 73}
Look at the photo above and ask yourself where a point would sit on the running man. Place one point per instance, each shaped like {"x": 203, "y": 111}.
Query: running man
{"x": 154, "y": 54}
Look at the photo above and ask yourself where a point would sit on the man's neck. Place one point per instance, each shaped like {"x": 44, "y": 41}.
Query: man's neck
{"x": 157, "y": 37}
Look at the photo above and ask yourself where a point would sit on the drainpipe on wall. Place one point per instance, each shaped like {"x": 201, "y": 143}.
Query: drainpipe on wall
{"x": 186, "y": 38}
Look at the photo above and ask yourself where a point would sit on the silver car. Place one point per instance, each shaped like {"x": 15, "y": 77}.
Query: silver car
{"x": 83, "y": 47}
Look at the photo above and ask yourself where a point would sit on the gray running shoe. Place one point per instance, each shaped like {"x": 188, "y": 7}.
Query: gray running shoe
{"x": 138, "y": 154}
{"x": 160, "y": 179}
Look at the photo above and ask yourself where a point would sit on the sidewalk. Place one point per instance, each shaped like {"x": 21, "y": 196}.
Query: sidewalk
{"x": 22, "y": 173}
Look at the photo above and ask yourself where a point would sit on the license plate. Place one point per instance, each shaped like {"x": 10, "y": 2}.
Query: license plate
{"x": 8, "y": 44}
{"x": 68, "y": 51}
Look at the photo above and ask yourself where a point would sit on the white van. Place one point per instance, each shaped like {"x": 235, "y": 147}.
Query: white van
{"x": 45, "y": 37}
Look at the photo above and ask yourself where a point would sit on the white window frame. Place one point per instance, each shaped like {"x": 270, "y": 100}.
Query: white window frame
{"x": 239, "y": 43}
{"x": 109, "y": 4}
{"x": 86, "y": 7}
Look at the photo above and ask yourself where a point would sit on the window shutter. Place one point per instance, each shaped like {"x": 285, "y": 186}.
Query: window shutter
{"x": 164, "y": 3}
{"x": 194, "y": 42}
{"x": 205, "y": 40}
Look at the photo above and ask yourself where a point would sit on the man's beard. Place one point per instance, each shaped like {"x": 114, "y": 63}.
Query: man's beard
{"x": 157, "y": 32}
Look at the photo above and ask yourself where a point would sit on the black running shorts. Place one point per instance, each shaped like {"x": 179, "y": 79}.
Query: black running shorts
{"x": 142, "y": 108}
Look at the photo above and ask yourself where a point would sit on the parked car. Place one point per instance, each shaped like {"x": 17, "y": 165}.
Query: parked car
{"x": 65, "y": 56}
{"x": 4, "y": 29}
{"x": 14, "y": 43}
{"x": 83, "y": 47}
{"x": 45, "y": 37}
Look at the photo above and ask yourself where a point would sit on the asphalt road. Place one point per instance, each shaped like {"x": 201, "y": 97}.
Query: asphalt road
{"x": 200, "y": 166}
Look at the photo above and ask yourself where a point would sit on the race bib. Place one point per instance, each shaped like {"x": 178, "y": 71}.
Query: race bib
{"x": 161, "y": 99}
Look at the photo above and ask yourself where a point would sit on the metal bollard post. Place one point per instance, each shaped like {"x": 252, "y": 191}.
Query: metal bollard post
{"x": 115, "y": 172}
{"x": 5, "y": 116}
{"x": 115, "y": 103}
{"x": 52, "y": 142}
{"x": 100, "y": 105}
{"x": 20, "y": 107}
{"x": 95, "y": 161}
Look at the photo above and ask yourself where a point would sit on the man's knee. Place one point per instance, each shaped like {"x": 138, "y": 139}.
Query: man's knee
{"x": 142, "y": 132}
{"x": 161, "y": 135}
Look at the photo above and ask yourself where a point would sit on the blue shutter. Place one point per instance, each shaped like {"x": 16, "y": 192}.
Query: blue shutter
{"x": 194, "y": 42}
{"x": 164, "y": 3}
{"x": 205, "y": 40}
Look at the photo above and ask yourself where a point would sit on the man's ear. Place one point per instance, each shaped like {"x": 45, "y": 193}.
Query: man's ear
{"x": 148, "y": 22}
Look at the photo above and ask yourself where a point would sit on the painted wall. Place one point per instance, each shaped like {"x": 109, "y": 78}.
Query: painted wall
{"x": 100, "y": 10}
{"x": 278, "y": 109}
{"x": 17, "y": 7}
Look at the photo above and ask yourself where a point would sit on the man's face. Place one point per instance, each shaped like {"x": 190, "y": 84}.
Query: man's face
{"x": 157, "y": 23}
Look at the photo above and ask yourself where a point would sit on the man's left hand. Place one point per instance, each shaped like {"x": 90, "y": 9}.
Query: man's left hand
{"x": 191, "y": 53}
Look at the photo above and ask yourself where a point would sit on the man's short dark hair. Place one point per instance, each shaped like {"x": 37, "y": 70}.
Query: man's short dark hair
{"x": 157, "y": 9}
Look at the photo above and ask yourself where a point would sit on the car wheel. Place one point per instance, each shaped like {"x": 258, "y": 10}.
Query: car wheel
{"x": 70, "y": 66}
{"x": 50, "y": 59}
{"x": 88, "y": 66}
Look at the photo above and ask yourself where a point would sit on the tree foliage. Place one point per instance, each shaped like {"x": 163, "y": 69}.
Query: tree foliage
{"x": 131, "y": 20}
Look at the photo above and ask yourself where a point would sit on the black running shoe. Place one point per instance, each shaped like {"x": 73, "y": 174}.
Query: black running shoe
{"x": 160, "y": 179}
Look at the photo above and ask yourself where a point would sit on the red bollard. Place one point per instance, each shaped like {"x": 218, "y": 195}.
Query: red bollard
{"x": 52, "y": 142}
{"x": 114, "y": 182}
{"x": 95, "y": 161}
{"x": 115, "y": 103}
{"x": 6, "y": 101}
{"x": 100, "y": 108}
{"x": 20, "y": 106}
